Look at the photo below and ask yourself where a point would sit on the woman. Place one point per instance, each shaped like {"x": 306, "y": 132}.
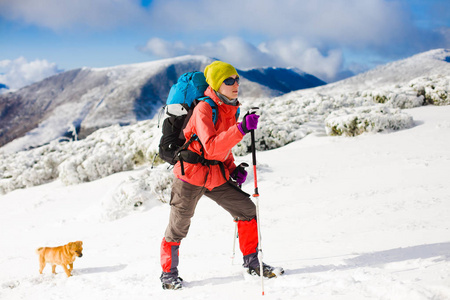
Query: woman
{"x": 213, "y": 181}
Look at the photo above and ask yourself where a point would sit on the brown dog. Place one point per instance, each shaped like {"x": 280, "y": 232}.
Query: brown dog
{"x": 62, "y": 255}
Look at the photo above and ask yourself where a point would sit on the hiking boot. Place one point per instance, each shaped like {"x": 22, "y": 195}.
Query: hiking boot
{"x": 171, "y": 283}
{"x": 268, "y": 271}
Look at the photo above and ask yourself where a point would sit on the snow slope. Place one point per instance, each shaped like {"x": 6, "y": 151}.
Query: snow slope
{"x": 365, "y": 217}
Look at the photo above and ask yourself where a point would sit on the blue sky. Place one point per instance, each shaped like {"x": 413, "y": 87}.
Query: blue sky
{"x": 327, "y": 38}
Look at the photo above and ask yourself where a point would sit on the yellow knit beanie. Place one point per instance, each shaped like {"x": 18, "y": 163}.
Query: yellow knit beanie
{"x": 217, "y": 72}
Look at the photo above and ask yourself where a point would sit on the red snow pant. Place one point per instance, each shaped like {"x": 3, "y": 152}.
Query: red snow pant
{"x": 184, "y": 199}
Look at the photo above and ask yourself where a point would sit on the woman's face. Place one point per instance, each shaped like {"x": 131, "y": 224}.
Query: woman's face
{"x": 230, "y": 91}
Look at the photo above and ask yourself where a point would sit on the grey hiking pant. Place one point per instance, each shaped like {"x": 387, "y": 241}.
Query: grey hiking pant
{"x": 184, "y": 199}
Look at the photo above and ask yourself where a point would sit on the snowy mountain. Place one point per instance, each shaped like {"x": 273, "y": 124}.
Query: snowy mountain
{"x": 341, "y": 109}
{"x": 428, "y": 64}
{"x": 83, "y": 100}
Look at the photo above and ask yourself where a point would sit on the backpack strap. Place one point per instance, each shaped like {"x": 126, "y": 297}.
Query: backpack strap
{"x": 213, "y": 106}
{"x": 185, "y": 155}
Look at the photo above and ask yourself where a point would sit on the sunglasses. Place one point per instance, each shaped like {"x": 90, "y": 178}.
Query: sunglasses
{"x": 231, "y": 81}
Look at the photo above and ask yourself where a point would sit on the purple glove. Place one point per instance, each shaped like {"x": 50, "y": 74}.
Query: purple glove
{"x": 239, "y": 175}
{"x": 249, "y": 122}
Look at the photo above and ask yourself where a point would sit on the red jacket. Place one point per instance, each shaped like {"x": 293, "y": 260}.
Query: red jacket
{"x": 217, "y": 142}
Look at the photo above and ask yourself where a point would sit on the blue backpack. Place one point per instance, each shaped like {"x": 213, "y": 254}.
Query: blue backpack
{"x": 183, "y": 97}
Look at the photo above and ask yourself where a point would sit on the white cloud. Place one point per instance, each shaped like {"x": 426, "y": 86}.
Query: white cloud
{"x": 58, "y": 15}
{"x": 19, "y": 72}
{"x": 345, "y": 22}
{"x": 348, "y": 22}
{"x": 310, "y": 35}
{"x": 242, "y": 54}
{"x": 298, "y": 53}
{"x": 231, "y": 49}
{"x": 164, "y": 49}
{"x": 307, "y": 34}
{"x": 445, "y": 32}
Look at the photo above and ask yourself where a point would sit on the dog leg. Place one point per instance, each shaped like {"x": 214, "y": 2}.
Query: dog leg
{"x": 71, "y": 267}
{"x": 66, "y": 270}
{"x": 41, "y": 265}
{"x": 54, "y": 269}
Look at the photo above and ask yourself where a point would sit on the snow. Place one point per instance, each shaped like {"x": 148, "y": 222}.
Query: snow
{"x": 364, "y": 217}
{"x": 341, "y": 108}
{"x": 360, "y": 215}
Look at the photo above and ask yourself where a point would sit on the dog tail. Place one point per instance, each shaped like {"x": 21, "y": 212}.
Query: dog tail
{"x": 38, "y": 250}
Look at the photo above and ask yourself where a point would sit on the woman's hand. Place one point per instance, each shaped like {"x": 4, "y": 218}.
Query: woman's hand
{"x": 249, "y": 122}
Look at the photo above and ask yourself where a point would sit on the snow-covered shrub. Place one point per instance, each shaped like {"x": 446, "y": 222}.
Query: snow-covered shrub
{"x": 405, "y": 100}
{"x": 357, "y": 121}
{"x": 282, "y": 121}
{"x": 106, "y": 151}
{"x": 126, "y": 197}
{"x": 395, "y": 97}
{"x": 103, "y": 160}
{"x": 143, "y": 191}
{"x": 29, "y": 168}
{"x": 433, "y": 89}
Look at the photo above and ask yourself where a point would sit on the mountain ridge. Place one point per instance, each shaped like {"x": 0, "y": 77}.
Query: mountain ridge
{"x": 429, "y": 63}
{"x": 87, "y": 99}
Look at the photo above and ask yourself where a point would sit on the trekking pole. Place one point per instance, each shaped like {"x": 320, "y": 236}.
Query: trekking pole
{"x": 235, "y": 236}
{"x": 256, "y": 197}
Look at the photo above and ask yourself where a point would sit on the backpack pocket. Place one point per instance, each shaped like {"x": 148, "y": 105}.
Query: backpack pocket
{"x": 172, "y": 137}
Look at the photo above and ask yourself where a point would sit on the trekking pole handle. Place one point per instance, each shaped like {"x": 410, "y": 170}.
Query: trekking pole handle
{"x": 241, "y": 166}
{"x": 253, "y": 110}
